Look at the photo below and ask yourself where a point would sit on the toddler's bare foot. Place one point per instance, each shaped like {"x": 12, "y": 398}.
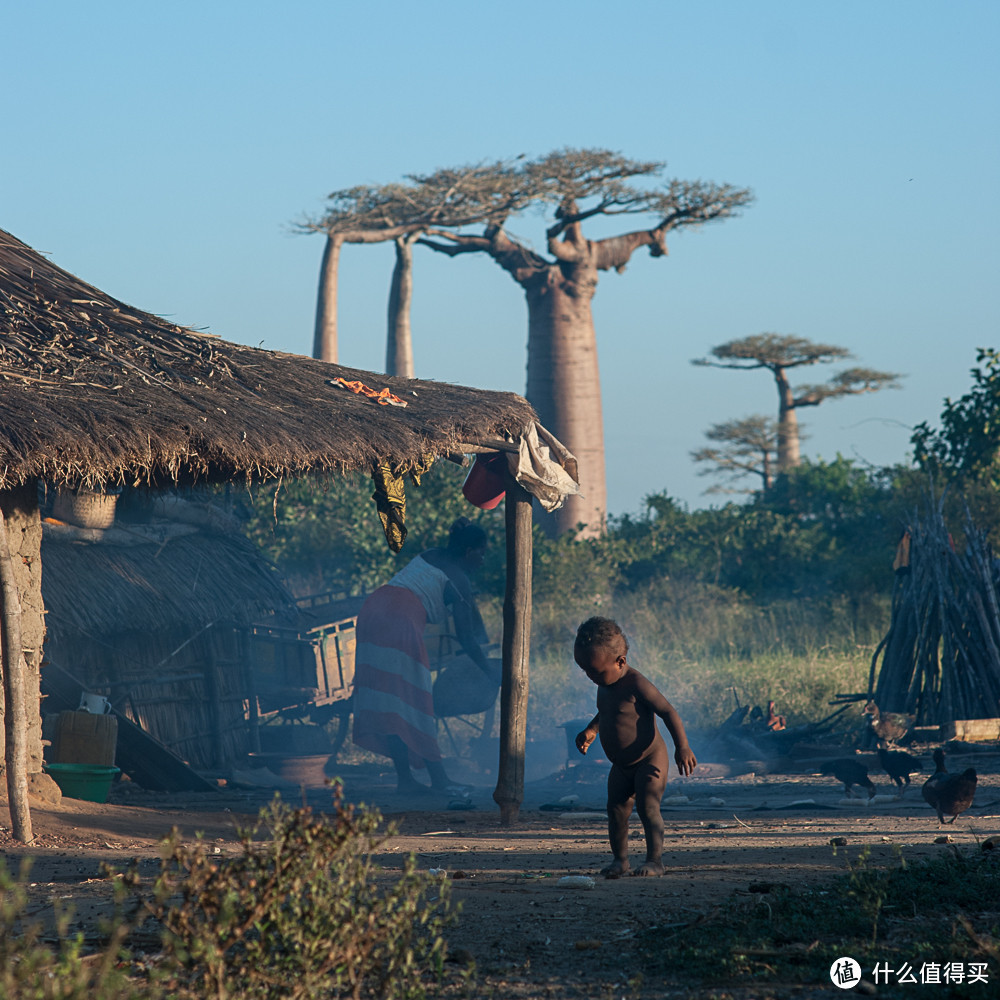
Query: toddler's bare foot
{"x": 616, "y": 869}
{"x": 650, "y": 868}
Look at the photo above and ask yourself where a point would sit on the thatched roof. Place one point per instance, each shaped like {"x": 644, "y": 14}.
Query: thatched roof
{"x": 185, "y": 583}
{"x": 95, "y": 392}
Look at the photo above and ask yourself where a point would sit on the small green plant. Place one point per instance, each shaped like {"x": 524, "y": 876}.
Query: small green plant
{"x": 299, "y": 914}
{"x": 41, "y": 961}
{"x": 869, "y": 886}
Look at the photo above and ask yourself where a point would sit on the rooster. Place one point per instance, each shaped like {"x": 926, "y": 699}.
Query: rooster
{"x": 775, "y": 723}
{"x": 890, "y": 727}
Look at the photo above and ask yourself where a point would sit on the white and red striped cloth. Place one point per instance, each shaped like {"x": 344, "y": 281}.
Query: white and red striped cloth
{"x": 392, "y": 679}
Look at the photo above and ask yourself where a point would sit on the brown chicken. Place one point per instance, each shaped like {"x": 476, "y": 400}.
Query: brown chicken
{"x": 890, "y": 727}
{"x": 955, "y": 794}
{"x": 899, "y": 765}
{"x": 850, "y": 772}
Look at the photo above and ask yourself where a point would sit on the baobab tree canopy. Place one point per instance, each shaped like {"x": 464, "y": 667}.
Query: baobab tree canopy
{"x": 577, "y": 185}
{"x": 777, "y": 354}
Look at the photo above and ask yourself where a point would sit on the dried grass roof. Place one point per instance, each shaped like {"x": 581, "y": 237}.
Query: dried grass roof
{"x": 188, "y": 582}
{"x": 94, "y": 392}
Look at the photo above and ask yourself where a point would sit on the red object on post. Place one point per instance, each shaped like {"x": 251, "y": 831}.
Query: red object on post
{"x": 484, "y": 485}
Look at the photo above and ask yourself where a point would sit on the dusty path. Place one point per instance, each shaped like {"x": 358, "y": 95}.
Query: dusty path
{"x": 529, "y": 935}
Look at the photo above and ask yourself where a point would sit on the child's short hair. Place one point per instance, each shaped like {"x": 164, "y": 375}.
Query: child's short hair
{"x": 602, "y": 632}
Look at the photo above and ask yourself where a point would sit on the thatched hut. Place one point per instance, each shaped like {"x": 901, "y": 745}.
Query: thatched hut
{"x": 98, "y": 394}
{"x": 153, "y": 613}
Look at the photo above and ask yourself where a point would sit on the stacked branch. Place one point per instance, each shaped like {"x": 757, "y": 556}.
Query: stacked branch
{"x": 940, "y": 659}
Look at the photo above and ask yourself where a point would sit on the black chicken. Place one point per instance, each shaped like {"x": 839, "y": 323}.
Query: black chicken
{"x": 899, "y": 765}
{"x": 850, "y": 772}
{"x": 934, "y": 782}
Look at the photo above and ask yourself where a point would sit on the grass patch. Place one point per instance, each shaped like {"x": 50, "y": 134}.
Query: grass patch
{"x": 945, "y": 910}
{"x": 704, "y": 647}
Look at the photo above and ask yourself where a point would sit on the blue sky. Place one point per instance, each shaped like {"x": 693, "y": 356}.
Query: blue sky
{"x": 162, "y": 151}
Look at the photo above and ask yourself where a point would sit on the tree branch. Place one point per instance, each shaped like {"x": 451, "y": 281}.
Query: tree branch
{"x": 616, "y": 251}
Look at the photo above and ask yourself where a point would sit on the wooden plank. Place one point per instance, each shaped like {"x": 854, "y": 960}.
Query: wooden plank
{"x": 509, "y": 792}
{"x": 971, "y": 730}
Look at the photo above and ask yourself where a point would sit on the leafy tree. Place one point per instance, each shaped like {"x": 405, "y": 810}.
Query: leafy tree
{"x": 579, "y": 185}
{"x": 778, "y": 354}
{"x": 400, "y": 213}
{"x": 325, "y": 535}
{"x": 966, "y": 447}
{"x": 746, "y": 447}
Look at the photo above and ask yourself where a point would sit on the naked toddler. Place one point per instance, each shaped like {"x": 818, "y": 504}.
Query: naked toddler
{"x": 627, "y": 706}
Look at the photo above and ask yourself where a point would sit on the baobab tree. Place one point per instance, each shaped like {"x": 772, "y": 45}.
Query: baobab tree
{"x": 778, "y": 354}
{"x": 400, "y": 213}
{"x": 745, "y": 447}
{"x": 563, "y": 382}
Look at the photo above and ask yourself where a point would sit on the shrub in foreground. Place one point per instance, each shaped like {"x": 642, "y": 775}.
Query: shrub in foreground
{"x": 299, "y": 913}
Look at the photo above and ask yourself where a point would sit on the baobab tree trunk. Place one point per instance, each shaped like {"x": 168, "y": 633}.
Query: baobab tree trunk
{"x": 399, "y": 337}
{"x": 788, "y": 425}
{"x": 564, "y": 385}
{"x": 325, "y": 333}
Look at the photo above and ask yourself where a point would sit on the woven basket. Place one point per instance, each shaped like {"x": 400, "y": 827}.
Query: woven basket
{"x": 85, "y": 509}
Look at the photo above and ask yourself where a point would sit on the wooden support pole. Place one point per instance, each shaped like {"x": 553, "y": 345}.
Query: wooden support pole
{"x": 15, "y": 721}
{"x": 509, "y": 793}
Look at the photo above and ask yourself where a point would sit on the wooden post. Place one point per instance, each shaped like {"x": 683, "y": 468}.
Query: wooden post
{"x": 509, "y": 793}
{"x": 213, "y": 689}
{"x": 15, "y": 720}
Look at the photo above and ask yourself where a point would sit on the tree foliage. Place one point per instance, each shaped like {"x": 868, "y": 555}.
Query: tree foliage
{"x": 325, "y": 535}
{"x": 746, "y": 447}
{"x": 826, "y": 531}
{"x": 966, "y": 447}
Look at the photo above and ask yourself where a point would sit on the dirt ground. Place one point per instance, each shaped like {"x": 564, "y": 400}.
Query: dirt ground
{"x": 529, "y": 933}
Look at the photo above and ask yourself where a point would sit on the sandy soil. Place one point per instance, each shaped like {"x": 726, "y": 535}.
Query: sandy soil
{"x": 529, "y": 933}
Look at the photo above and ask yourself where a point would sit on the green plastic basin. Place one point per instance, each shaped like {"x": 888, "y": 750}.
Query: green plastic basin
{"x": 91, "y": 782}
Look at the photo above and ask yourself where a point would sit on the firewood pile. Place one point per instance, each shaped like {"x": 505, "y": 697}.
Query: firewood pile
{"x": 940, "y": 659}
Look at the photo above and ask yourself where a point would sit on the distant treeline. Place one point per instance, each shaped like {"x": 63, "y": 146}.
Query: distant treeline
{"x": 826, "y": 532}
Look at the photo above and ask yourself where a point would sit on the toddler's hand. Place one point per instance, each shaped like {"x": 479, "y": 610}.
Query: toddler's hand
{"x": 686, "y": 761}
{"x": 584, "y": 739}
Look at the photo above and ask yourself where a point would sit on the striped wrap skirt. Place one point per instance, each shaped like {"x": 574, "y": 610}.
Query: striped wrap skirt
{"x": 392, "y": 679}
